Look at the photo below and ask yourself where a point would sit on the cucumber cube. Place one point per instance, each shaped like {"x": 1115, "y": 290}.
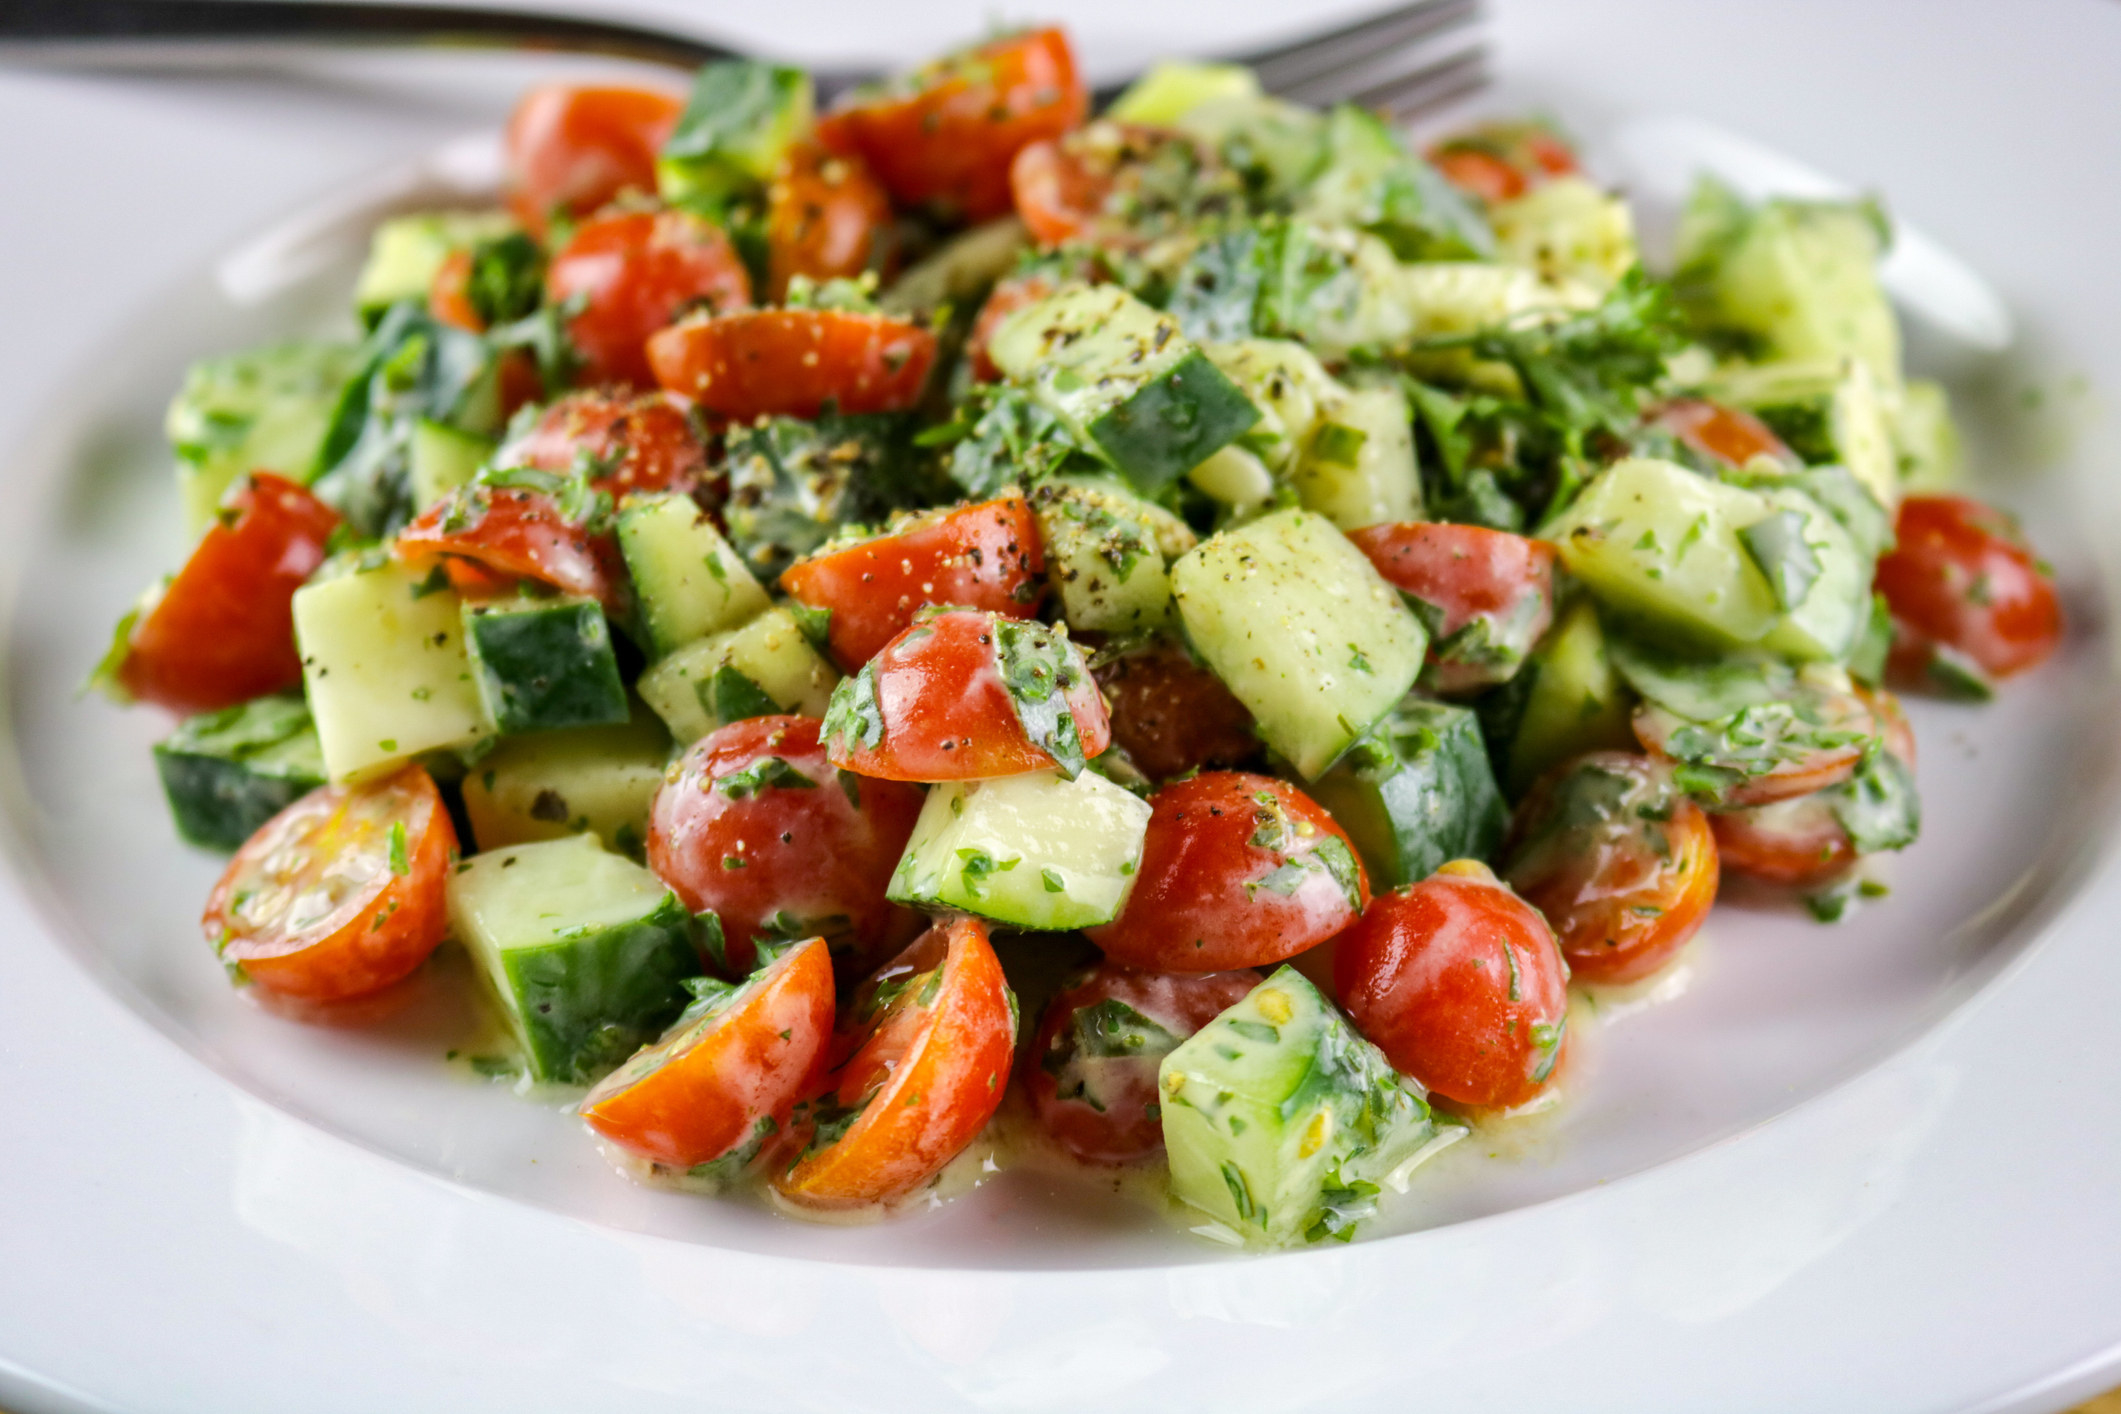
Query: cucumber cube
{"x": 1359, "y": 466}
{"x": 689, "y": 580}
{"x": 544, "y": 664}
{"x": 1103, "y": 555}
{"x": 1568, "y": 699}
{"x": 1174, "y": 88}
{"x": 742, "y": 116}
{"x": 442, "y": 458}
{"x": 264, "y": 410}
{"x": 767, "y": 666}
{"x": 553, "y": 784}
{"x": 1823, "y": 625}
{"x": 1302, "y": 630}
{"x": 406, "y": 251}
{"x": 1036, "y": 850}
{"x": 1416, "y": 792}
{"x": 228, "y": 772}
{"x": 586, "y": 952}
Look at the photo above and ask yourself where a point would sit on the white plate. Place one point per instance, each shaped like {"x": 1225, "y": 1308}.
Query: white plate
{"x": 1806, "y": 1228}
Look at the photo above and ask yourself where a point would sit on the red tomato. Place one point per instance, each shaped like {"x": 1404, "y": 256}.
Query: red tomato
{"x": 573, "y": 149}
{"x": 982, "y": 556}
{"x": 794, "y": 362}
{"x": 945, "y": 708}
{"x": 449, "y": 293}
{"x": 1093, "y": 1086}
{"x": 1620, "y": 861}
{"x": 515, "y": 531}
{"x": 1006, "y": 298}
{"x": 1059, "y": 196}
{"x": 722, "y": 1083}
{"x": 933, "y": 1034}
{"x": 1961, "y": 577}
{"x": 1486, "y": 596}
{"x": 1500, "y": 161}
{"x": 340, "y": 894}
{"x": 1479, "y": 174}
{"x": 826, "y": 216}
{"x": 1171, "y": 715}
{"x": 1115, "y": 185}
{"x": 1801, "y": 843}
{"x": 634, "y": 272}
{"x": 520, "y": 383}
{"x": 1731, "y": 436}
{"x": 1461, "y": 984}
{"x": 1238, "y": 871}
{"x": 644, "y": 443}
{"x": 756, "y": 825}
{"x": 223, "y": 630}
{"x": 944, "y": 134}
{"x": 1813, "y": 740}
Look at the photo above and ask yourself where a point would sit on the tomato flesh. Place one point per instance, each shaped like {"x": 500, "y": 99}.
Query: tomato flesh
{"x": 1961, "y": 577}
{"x": 340, "y": 894}
{"x": 1006, "y": 298}
{"x": 644, "y": 443}
{"x": 513, "y": 531}
{"x": 1486, "y": 596}
{"x": 449, "y": 293}
{"x": 1727, "y": 435}
{"x": 570, "y": 149}
{"x": 634, "y": 272}
{"x": 794, "y": 362}
{"x": 1171, "y": 715}
{"x": 827, "y": 217}
{"x": 1117, "y": 186}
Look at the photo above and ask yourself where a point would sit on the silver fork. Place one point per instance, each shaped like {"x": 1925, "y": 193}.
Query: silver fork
{"x": 1409, "y": 58}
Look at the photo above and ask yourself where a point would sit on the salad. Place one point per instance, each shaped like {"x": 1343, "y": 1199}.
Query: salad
{"x": 1174, "y": 636}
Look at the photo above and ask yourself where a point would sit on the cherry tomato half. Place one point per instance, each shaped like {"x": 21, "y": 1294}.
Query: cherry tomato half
{"x": 944, "y": 135}
{"x": 515, "y": 531}
{"x": 1619, "y": 860}
{"x": 952, "y": 695}
{"x": 794, "y": 362}
{"x": 340, "y": 894}
{"x": 1118, "y": 186}
{"x": 1812, "y": 739}
{"x": 1171, "y": 715}
{"x": 1461, "y": 984}
{"x": 1496, "y": 162}
{"x": 728, "y": 1076}
{"x": 1961, "y": 577}
{"x": 758, "y": 826}
{"x": 1802, "y": 843}
{"x": 1486, "y": 596}
{"x": 1092, "y": 1072}
{"x": 1006, "y": 298}
{"x": 573, "y": 149}
{"x": 634, "y": 272}
{"x": 931, "y": 1038}
{"x": 982, "y": 556}
{"x": 449, "y": 293}
{"x": 826, "y": 216}
{"x": 223, "y": 630}
{"x": 1730, "y": 436}
{"x": 644, "y": 443}
{"x": 1238, "y": 870}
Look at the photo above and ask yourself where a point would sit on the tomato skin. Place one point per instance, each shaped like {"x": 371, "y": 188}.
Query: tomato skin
{"x": 384, "y": 923}
{"x": 1108, "y": 1115}
{"x": 1006, "y": 298}
{"x": 928, "y": 1069}
{"x": 826, "y": 216}
{"x": 945, "y": 135}
{"x": 223, "y": 631}
{"x": 1620, "y": 861}
{"x": 710, "y": 1084}
{"x": 1960, "y": 576}
{"x": 1463, "y": 574}
{"x": 1059, "y": 195}
{"x": 648, "y": 442}
{"x": 1801, "y": 773}
{"x": 983, "y": 556}
{"x": 1461, "y": 984}
{"x": 811, "y": 852}
{"x": 1478, "y": 174}
{"x": 1200, "y": 903}
{"x": 515, "y": 531}
{"x": 947, "y": 715}
{"x": 793, "y": 362}
{"x": 449, "y": 293}
{"x": 1116, "y": 186}
{"x": 1728, "y": 435}
{"x": 1801, "y": 843}
{"x": 636, "y": 271}
{"x": 1496, "y": 162}
{"x": 1171, "y": 715}
{"x": 572, "y": 149}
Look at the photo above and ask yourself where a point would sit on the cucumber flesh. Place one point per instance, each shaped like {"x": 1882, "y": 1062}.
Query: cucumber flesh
{"x": 544, "y": 664}
{"x": 549, "y": 785}
{"x": 1417, "y": 792}
{"x": 767, "y": 666}
{"x": 226, "y": 773}
{"x": 690, "y": 581}
{"x": 1103, "y": 555}
{"x": 1358, "y": 468}
{"x": 1174, "y": 88}
{"x": 406, "y": 251}
{"x": 264, "y": 410}
{"x": 1567, "y": 700}
{"x": 442, "y": 458}
{"x": 1569, "y": 229}
{"x": 741, "y": 117}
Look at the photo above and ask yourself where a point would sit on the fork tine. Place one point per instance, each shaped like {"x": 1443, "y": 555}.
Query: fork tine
{"x": 1416, "y": 90}
{"x": 1283, "y": 69}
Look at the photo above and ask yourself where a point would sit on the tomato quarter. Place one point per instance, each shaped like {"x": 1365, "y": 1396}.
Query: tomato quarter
{"x": 1727, "y": 435}
{"x": 794, "y": 362}
{"x": 572, "y": 149}
{"x": 1801, "y": 843}
{"x": 515, "y": 531}
{"x": 1486, "y": 596}
{"x": 1814, "y": 738}
{"x": 644, "y": 443}
{"x": 826, "y": 217}
{"x": 633, "y": 272}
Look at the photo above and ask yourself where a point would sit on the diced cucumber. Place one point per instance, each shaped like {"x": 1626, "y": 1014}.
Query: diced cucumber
{"x": 264, "y": 410}
{"x": 1124, "y": 380}
{"x": 690, "y": 582}
{"x": 1103, "y": 554}
{"x": 794, "y": 481}
{"x": 586, "y": 952}
{"x": 1567, "y": 230}
{"x": 1459, "y": 296}
{"x": 960, "y": 272}
{"x": 1275, "y": 145}
{"x": 595, "y": 779}
{"x": 384, "y": 667}
{"x": 741, "y": 117}
{"x": 1416, "y": 792}
{"x": 1302, "y": 629}
{"x": 1337, "y": 290}
{"x": 767, "y": 666}
{"x": 442, "y": 458}
{"x": 1567, "y": 700}
{"x": 1035, "y": 851}
{"x": 1237, "y": 478}
{"x": 1373, "y": 182}
{"x": 1175, "y": 87}
{"x": 406, "y": 251}
{"x": 544, "y": 664}
{"x": 1288, "y": 385}
{"x": 1702, "y": 688}
{"x": 1280, "y": 1120}
{"x": 228, "y": 772}
{"x": 1828, "y": 411}
{"x": 1926, "y": 437}
{"x": 1824, "y": 625}
{"x": 1358, "y": 468}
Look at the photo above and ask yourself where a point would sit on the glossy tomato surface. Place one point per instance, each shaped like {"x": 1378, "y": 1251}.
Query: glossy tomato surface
{"x": 1461, "y": 984}
{"x": 633, "y": 272}
{"x": 1730, "y": 436}
{"x": 794, "y": 362}
{"x": 929, "y": 1040}
{"x": 1238, "y": 870}
{"x": 1091, "y": 1077}
{"x": 1801, "y": 843}
{"x": 755, "y": 824}
{"x": 983, "y": 556}
{"x": 449, "y": 294}
{"x": 1620, "y": 861}
{"x": 827, "y": 217}
{"x": 340, "y": 894}
{"x": 1486, "y": 596}
{"x": 958, "y": 696}
{"x": 512, "y": 531}
{"x": 1118, "y": 186}
{"x": 726, "y": 1080}
{"x": 1812, "y": 739}
{"x": 570, "y": 149}
{"x": 1171, "y": 715}
{"x": 223, "y": 630}
{"x": 1961, "y": 577}
{"x": 630, "y": 443}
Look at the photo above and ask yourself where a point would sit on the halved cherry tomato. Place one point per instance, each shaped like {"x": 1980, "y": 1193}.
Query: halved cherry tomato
{"x": 1497, "y": 162}
{"x": 1117, "y": 185}
{"x": 756, "y": 825}
{"x": 1238, "y": 870}
{"x": 1461, "y": 984}
{"x": 727, "y": 1077}
{"x": 449, "y": 293}
{"x": 1728, "y": 435}
{"x": 1059, "y": 194}
{"x": 340, "y": 894}
{"x": 794, "y": 362}
{"x": 513, "y": 530}
{"x": 826, "y": 216}
{"x": 1171, "y": 715}
{"x": 644, "y": 443}
{"x": 1812, "y": 739}
{"x": 944, "y": 134}
{"x": 1486, "y": 596}
{"x": 1802, "y": 843}
{"x": 223, "y": 630}
{"x": 1092, "y": 1077}
{"x": 1961, "y": 577}
{"x": 1619, "y": 860}
{"x": 1006, "y": 298}
{"x": 931, "y": 1039}
{"x": 573, "y": 149}
{"x": 952, "y": 694}
{"x": 634, "y": 272}
{"x": 982, "y": 556}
